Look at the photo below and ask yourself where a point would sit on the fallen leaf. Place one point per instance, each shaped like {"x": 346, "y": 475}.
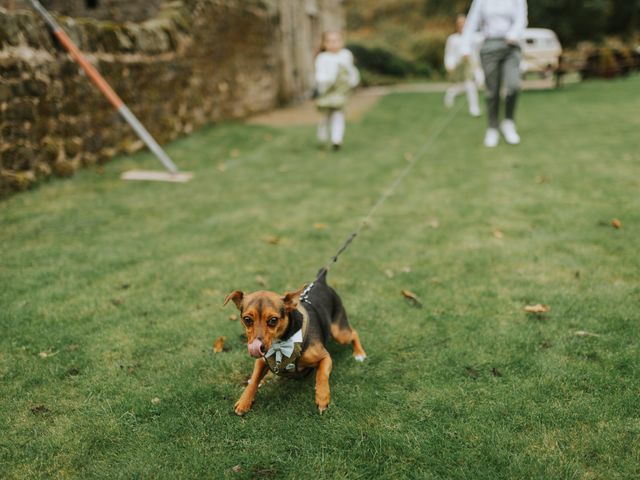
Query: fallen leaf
{"x": 237, "y": 469}
{"x": 406, "y": 269}
{"x": 582, "y": 333}
{"x": 409, "y": 295}
{"x": 472, "y": 372}
{"x": 233, "y": 317}
{"x": 39, "y": 409}
{"x": 272, "y": 239}
{"x": 155, "y": 401}
{"x": 539, "y": 308}
{"x": 260, "y": 280}
{"x": 43, "y": 354}
{"x": 434, "y": 223}
{"x": 389, "y": 273}
{"x": 218, "y": 345}
{"x": 498, "y": 234}
{"x": 615, "y": 223}
{"x": 320, "y": 226}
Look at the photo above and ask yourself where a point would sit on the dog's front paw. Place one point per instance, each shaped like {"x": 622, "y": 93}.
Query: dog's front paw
{"x": 360, "y": 357}
{"x": 242, "y": 406}
{"x": 322, "y": 400}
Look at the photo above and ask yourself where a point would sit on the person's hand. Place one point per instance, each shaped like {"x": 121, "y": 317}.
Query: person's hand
{"x": 513, "y": 41}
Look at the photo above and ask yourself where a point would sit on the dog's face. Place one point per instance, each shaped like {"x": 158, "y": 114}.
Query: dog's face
{"x": 264, "y": 315}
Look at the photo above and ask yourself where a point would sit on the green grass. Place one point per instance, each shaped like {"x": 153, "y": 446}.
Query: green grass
{"x": 121, "y": 284}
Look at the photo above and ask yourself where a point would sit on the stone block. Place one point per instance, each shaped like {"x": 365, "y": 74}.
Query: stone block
{"x": 20, "y": 111}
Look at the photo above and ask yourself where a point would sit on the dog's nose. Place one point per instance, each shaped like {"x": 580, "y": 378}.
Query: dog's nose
{"x": 263, "y": 350}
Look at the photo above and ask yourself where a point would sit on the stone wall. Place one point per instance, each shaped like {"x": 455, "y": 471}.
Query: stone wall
{"x": 196, "y": 62}
{"x": 114, "y": 10}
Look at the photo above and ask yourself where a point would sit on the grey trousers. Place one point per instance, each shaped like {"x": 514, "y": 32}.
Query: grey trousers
{"x": 501, "y": 65}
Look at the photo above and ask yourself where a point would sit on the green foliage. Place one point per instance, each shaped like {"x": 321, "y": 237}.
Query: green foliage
{"x": 121, "y": 285}
{"x": 379, "y": 60}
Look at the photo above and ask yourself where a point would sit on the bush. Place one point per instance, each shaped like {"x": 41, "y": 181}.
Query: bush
{"x": 428, "y": 50}
{"x": 380, "y": 60}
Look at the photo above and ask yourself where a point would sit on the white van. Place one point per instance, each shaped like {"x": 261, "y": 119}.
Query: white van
{"x": 541, "y": 51}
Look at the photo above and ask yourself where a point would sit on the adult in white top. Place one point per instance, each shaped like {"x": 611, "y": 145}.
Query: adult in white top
{"x": 502, "y": 23}
{"x": 461, "y": 70}
{"x": 336, "y": 77}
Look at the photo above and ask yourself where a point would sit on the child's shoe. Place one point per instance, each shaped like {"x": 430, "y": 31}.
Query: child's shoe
{"x": 491, "y": 138}
{"x": 509, "y": 132}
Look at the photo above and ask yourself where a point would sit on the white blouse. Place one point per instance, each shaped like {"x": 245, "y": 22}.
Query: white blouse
{"x": 497, "y": 19}
{"x": 328, "y": 65}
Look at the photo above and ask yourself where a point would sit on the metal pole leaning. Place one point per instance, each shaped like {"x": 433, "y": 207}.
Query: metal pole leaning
{"x": 105, "y": 88}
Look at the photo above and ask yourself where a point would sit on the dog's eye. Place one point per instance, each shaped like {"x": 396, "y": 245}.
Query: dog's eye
{"x": 248, "y": 321}
{"x": 273, "y": 321}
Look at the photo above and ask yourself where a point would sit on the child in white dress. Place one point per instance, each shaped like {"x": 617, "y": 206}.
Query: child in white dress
{"x": 462, "y": 71}
{"x": 336, "y": 77}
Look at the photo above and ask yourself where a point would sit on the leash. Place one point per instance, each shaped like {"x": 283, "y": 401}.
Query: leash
{"x": 382, "y": 199}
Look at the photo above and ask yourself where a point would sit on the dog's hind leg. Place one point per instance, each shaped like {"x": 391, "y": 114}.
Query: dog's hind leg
{"x": 342, "y": 332}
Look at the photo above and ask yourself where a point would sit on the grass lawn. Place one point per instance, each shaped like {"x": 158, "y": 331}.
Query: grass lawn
{"x": 111, "y": 293}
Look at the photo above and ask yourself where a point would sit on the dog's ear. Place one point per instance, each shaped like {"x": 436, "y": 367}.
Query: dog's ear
{"x": 237, "y": 297}
{"x": 291, "y": 299}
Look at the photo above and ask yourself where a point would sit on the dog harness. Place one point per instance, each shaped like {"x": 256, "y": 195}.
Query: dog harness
{"x": 283, "y": 356}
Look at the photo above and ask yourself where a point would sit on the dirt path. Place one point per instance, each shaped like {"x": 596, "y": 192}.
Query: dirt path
{"x": 364, "y": 100}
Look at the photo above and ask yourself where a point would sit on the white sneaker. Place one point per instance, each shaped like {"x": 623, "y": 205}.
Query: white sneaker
{"x": 449, "y": 98}
{"x": 509, "y": 132}
{"x": 491, "y": 138}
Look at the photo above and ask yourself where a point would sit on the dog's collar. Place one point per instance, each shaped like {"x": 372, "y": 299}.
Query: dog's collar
{"x": 282, "y": 358}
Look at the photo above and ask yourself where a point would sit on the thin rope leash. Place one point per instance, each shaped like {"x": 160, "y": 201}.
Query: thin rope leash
{"x": 385, "y": 196}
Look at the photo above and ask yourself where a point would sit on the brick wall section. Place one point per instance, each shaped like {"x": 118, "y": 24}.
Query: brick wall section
{"x": 196, "y": 62}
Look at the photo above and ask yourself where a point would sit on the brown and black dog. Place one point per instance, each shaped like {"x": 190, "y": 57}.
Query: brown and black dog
{"x": 287, "y": 334}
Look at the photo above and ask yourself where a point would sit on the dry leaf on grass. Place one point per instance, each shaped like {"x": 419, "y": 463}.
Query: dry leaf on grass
{"x": 155, "y": 401}
{"x": 406, "y": 269}
{"x": 260, "y": 280}
{"x": 272, "y": 239}
{"x": 409, "y": 295}
{"x": 39, "y": 409}
{"x": 498, "y": 233}
{"x": 218, "y": 345}
{"x": 472, "y": 372}
{"x": 539, "y": 308}
{"x": 237, "y": 469}
{"x": 582, "y": 333}
{"x": 233, "y": 317}
{"x": 434, "y": 223}
{"x": 47, "y": 354}
{"x": 615, "y": 223}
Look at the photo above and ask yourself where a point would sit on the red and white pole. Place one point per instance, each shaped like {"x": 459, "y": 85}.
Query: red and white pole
{"x": 105, "y": 88}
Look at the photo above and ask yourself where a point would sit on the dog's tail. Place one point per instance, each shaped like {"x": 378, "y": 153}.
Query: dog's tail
{"x": 322, "y": 276}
